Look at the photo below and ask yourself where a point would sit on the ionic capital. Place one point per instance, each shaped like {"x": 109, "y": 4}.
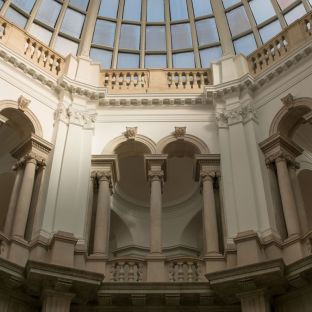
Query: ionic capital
{"x": 206, "y": 175}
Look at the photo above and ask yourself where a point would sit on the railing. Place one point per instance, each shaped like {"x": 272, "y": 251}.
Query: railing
{"x": 22, "y": 43}
{"x": 127, "y": 271}
{"x": 185, "y": 270}
{"x": 188, "y": 79}
{"x": 117, "y": 79}
{"x": 156, "y": 80}
{"x": 281, "y": 45}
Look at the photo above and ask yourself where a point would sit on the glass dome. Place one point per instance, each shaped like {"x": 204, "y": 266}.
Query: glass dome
{"x": 154, "y": 33}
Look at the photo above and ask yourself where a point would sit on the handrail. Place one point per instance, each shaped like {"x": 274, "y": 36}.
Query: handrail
{"x": 31, "y": 48}
{"x": 281, "y": 45}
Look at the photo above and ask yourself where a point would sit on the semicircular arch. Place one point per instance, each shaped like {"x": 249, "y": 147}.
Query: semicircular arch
{"x": 198, "y": 143}
{"x": 288, "y": 117}
{"x": 114, "y": 143}
{"x": 4, "y": 104}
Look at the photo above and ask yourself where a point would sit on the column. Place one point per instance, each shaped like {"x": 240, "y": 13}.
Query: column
{"x": 207, "y": 171}
{"x": 24, "y": 199}
{"x": 102, "y": 221}
{"x": 54, "y": 301}
{"x": 156, "y": 181}
{"x": 156, "y": 175}
{"x": 105, "y": 174}
{"x": 209, "y": 213}
{"x": 255, "y": 301}
{"x": 280, "y": 151}
{"x": 287, "y": 196}
{"x": 14, "y": 196}
{"x": 38, "y": 210}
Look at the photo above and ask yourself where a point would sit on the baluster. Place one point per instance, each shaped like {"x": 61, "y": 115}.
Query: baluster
{"x": 169, "y": 79}
{"x": 131, "y": 271}
{"x": 142, "y": 80}
{"x": 112, "y": 273}
{"x": 140, "y": 272}
{"x": 136, "y": 79}
{"x": 198, "y": 272}
{"x": 190, "y": 277}
{"x": 27, "y": 48}
{"x": 106, "y": 79}
{"x": 121, "y": 277}
{"x": 171, "y": 272}
{"x": 180, "y": 271}
{"x": 187, "y": 79}
{"x": 180, "y": 81}
{"x": 114, "y": 80}
{"x": 131, "y": 79}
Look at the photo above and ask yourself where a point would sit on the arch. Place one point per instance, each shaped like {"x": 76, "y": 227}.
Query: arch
{"x": 201, "y": 145}
{"x": 4, "y": 104}
{"x": 289, "y": 116}
{"x": 113, "y": 144}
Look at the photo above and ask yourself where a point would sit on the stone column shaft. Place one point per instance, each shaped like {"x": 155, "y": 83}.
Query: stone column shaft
{"x": 210, "y": 223}
{"x": 255, "y": 301}
{"x": 287, "y": 196}
{"x": 56, "y": 302}
{"x": 101, "y": 231}
{"x": 24, "y": 199}
{"x": 155, "y": 213}
{"x": 13, "y": 200}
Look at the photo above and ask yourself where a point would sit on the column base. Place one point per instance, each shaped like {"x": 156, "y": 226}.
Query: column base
{"x": 249, "y": 248}
{"x": 156, "y": 268}
{"x": 62, "y": 249}
{"x": 97, "y": 263}
{"x": 19, "y": 251}
{"x": 255, "y": 301}
{"x": 56, "y": 301}
{"x": 214, "y": 262}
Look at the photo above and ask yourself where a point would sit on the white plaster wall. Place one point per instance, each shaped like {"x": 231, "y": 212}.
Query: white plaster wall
{"x": 297, "y": 81}
{"x": 14, "y": 83}
{"x": 155, "y": 124}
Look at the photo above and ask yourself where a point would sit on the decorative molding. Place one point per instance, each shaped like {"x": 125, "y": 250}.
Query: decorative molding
{"x": 179, "y": 132}
{"x": 156, "y": 167}
{"x": 3, "y": 120}
{"x": 277, "y": 146}
{"x": 288, "y": 101}
{"x": 33, "y": 148}
{"x": 73, "y": 116}
{"x": 240, "y": 114}
{"x": 131, "y": 133}
{"x": 23, "y": 103}
{"x": 207, "y": 166}
{"x": 105, "y": 166}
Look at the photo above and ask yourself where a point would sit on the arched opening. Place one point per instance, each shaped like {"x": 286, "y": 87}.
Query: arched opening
{"x": 13, "y": 132}
{"x": 180, "y": 183}
{"x": 132, "y": 185}
{"x": 305, "y": 182}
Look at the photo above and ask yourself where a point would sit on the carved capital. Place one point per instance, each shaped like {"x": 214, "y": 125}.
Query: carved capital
{"x": 288, "y": 101}
{"x": 236, "y": 115}
{"x": 206, "y": 175}
{"x": 179, "y": 132}
{"x": 277, "y": 148}
{"x": 101, "y": 176}
{"x": 23, "y": 103}
{"x": 131, "y": 133}
{"x": 207, "y": 167}
{"x": 156, "y": 175}
{"x": 33, "y": 148}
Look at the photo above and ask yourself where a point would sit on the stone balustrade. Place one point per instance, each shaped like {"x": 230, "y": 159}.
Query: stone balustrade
{"x": 127, "y": 270}
{"x": 32, "y": 49}
{"x": 156, "y": 80}
{"x": 126, "y": 79}
{"x": 294, "y": 36}
{"x": 184, "y": 270}
{"x": 188, "y": 79}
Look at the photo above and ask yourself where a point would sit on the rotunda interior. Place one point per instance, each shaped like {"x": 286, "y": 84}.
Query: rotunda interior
{"x": 155, "y": 155}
